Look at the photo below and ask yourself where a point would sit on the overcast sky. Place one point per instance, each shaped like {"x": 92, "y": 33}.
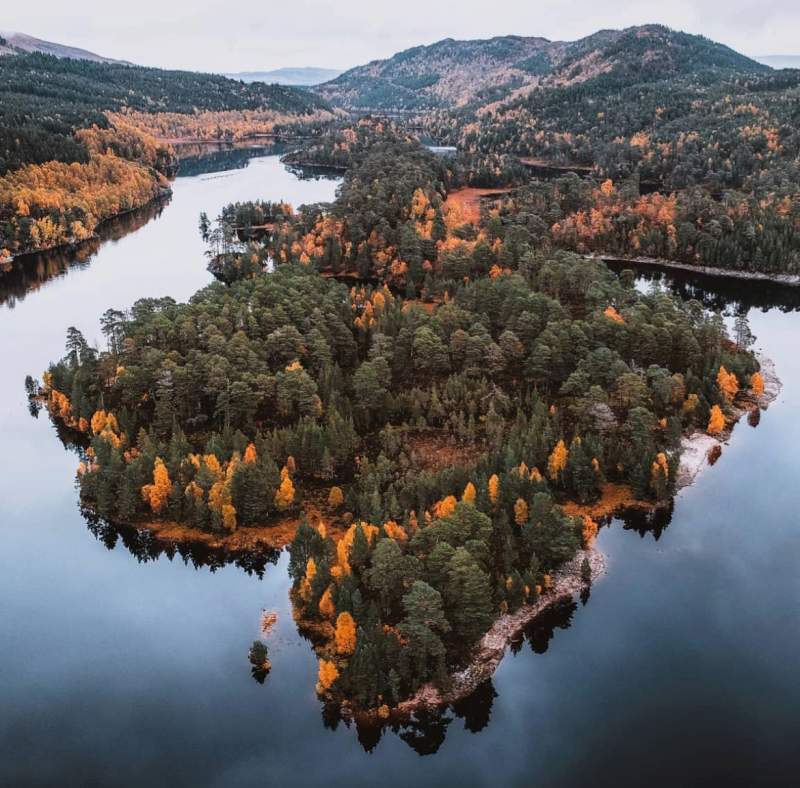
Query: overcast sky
{"x": 244, "y": 35}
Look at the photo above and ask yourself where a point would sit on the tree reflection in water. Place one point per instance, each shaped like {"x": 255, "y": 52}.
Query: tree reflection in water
{"x": 145, "y": 546}
{"x": 31, "y": 271}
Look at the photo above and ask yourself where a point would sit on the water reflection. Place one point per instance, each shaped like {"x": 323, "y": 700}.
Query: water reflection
{"x": 143, "y": 545}
{"x": 203, "y": 159}
{"x": 651, "y": 522}
{"x": 731, "y": 296}
{"x": 28, "y": 273}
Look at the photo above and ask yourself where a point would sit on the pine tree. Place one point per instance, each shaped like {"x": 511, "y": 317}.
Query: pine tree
{"x": 468, "y": 597}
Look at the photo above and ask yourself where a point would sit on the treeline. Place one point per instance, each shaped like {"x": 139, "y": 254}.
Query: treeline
{"x": 346, "y": 145}
{"x": 62, "y": 120}
{"x": 48, "y": 205}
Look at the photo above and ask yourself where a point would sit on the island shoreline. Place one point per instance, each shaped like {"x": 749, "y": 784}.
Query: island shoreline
{"x": 568, "y": 581}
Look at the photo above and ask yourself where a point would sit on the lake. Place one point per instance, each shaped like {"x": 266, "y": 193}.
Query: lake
{"x": 124, "y": 663}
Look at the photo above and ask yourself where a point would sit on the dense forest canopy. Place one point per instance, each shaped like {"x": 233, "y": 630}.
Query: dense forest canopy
{"x": 421, "y": 385}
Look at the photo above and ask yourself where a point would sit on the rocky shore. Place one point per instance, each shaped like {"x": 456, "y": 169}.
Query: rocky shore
{"x": 568, "y": 580}
{"x": 697, "y": 448}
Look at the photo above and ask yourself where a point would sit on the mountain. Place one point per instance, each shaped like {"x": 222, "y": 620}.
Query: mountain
{"x": 452, "y": 73}
{"x": 779, "y": 61}
{"x": 13, "y": 43}
{"x": 298, "y": 77}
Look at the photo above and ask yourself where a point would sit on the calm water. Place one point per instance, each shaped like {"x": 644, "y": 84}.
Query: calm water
{"x": 123, "y": 664}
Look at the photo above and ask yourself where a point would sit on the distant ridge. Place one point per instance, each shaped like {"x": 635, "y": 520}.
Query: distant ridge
{"x": 13, "y": 43}
{"x": 779, "y": 61}
{"x": 298, "y": 77}
{"x": 451, "y": 73}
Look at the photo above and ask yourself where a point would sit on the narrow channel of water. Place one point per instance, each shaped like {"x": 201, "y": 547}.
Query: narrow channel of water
{"x": 127, "y": 665}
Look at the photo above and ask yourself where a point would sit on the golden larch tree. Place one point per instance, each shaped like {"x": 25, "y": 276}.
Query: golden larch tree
{"x": 345, "y": 634}
{"x": 328, "y": 673}
{"x": 468, "y": 496}
{"x": 327, "y": 608}
{"x": 557, "y": 461}
{"x": 157, "y": 493}
{"x": 728, "y": 384}
{"x": 445, "y": 507}
{"x": 716, "y": 421}
{"x": 494, "y": 489}
{"x": 250, "y": 455}
{"x": 284, "y": 496}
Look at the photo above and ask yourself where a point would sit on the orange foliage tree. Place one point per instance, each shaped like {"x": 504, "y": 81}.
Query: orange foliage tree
{"x": 284, "y": 496}
{"x": 250, "y": 455}
{"x": 157, "y": 493}
{"x": 494, "y": 489}
{"x": 328, "y": 673}
{"x": 557, "y": 461}
{"x": 728, "y": 384}
{"x": 469, "y": 493}
{"x": 326, "y": 606}
{"x": 446, "y": 506}
{"x": 716, "y": 421}
{"x": 345, "y": 634}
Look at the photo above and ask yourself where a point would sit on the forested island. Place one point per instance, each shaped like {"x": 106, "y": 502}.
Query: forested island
{"x": 434, "y": 399}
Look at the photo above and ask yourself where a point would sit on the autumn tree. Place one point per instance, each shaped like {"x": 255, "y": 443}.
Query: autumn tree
{"x": 328, "y": 673}
{"x": 345, "y": 634}
{"x": 728, "y": 384}
{"x": 557, "y": 461}
{"x": 493, "y": 488}
{"x": 157, "y": 493}
{"x": 327, "y": 608}
{"x": 716, "y": 421}
{"x": 284, "y": 497}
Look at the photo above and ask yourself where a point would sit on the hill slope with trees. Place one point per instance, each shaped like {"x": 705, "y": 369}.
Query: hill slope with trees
{"x": 57, "y": 114}
{"x": 453, "y": 73}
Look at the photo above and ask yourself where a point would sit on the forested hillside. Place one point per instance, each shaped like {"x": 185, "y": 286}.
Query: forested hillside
{"x": 687, "y": 150}
{"x": 57, "y": 112}
{"x": 457, "y": 73}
